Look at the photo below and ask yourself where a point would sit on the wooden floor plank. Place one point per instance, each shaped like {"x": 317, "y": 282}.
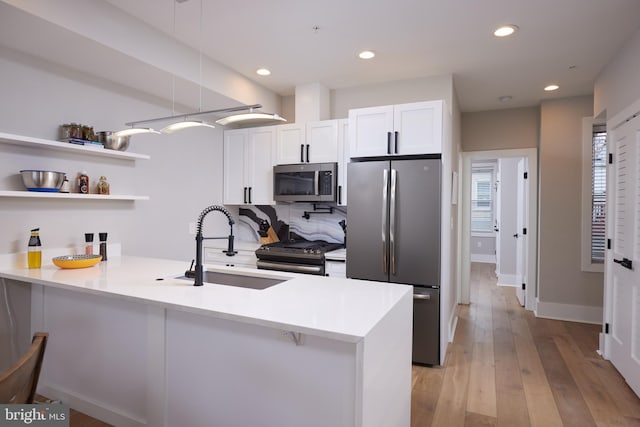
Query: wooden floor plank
{"x": 451, "y": 406}
{"x": 426, "y": 386}
{"x": 481, "y": 397}
{"x": 600, "y": 404}
{"x": 541, "y": 405}
{"x": 478, "y": 420}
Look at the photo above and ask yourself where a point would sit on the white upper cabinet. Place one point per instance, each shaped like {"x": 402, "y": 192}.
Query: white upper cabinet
{"x": 248, "y": 166}
{"x": 322, "y": 142}
{"x": 402, "y": 129}
{"x": 314, "y": 142}
{"x": 290, "y": 143}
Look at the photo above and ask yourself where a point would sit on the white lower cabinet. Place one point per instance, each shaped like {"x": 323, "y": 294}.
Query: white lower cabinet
{"x": 132, "y": 363}
{"x": 334, "y": 268}
{"x": 248, "y": 166}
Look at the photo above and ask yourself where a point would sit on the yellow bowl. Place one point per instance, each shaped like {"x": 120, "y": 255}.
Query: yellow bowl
{"x": 76, "y": 261}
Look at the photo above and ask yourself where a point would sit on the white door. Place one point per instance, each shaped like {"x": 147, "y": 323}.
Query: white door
{"x": 622, "y": 264}
{"x": 521, "y": 243}
{"x": 497, "y": 211}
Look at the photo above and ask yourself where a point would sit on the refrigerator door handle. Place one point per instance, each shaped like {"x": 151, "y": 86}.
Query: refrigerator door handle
{"x": 385, "y": 213}
{"x": 421, "y": 296}
{"x": 392, "y": 225}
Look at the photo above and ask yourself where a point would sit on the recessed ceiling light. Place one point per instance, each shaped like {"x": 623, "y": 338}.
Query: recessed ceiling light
{"x": 505, "y": 98}
{"x": 366, "y": 54}
{"x": 505, "y": 30}
{"x": 263, "y": 72}
{"x": 551, "y": 88}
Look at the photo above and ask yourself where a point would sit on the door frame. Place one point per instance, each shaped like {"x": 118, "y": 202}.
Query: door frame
{"x": 531, "y": 279}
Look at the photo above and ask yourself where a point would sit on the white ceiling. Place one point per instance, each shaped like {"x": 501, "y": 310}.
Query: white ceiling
{"x": 561, "y": 41}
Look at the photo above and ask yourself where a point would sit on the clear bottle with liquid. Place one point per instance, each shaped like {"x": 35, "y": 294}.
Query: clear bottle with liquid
{"x": 34, "y": 253}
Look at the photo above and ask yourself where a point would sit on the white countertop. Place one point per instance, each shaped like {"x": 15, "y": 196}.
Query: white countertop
{"x": 343, "y": 309}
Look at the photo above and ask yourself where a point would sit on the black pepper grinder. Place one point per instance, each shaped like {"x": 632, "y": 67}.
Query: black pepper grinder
{"x": 103, "y": 245}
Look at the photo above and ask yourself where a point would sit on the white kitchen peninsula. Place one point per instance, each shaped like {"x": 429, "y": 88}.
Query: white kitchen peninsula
{"x": 137, "y": 351}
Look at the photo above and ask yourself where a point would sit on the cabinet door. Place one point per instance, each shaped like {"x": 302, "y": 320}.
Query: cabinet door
{"x": 322, "y": 142}
{"x": 418, "y": 128}
{"x": 260, "y": 165}
{"x": 234, "y": 179}
{"x": 343, "y": 153}
{"x": 290, "y": 144}
{"x": 369, "y": 131}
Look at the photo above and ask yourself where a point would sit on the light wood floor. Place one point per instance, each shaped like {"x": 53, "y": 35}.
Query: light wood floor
{"x": 508, "y": 368}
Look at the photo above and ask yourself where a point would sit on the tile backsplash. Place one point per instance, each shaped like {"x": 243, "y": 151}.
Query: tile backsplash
{"x": 320, "y": 225}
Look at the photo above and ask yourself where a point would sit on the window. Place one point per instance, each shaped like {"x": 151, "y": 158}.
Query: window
{"x": 598, "y": 192}
{"x": 482, "y": 200}
{"x": 594, "y": 195}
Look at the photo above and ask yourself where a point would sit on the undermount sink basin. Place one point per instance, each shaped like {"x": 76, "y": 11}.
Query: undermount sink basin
{"x": 238, "y": 280}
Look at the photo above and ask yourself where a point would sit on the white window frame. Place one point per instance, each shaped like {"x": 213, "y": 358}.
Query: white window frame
{"x": 585, "y": 244}
{"x": 493, "y": 167}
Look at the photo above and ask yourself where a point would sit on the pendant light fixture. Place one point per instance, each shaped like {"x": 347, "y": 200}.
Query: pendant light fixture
{"x": 184, "y": 121}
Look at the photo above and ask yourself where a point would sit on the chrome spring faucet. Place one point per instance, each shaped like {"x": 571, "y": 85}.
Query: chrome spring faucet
{"x": 199, "y": 238}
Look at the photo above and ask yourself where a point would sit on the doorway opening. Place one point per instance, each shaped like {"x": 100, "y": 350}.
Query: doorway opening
{"x": 499, "y": 219}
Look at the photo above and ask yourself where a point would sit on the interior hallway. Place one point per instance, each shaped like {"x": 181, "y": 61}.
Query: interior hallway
{"x": 508, "y": 368}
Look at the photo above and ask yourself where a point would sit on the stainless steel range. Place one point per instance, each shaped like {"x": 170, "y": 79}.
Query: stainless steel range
{"x": 296, "y": 256}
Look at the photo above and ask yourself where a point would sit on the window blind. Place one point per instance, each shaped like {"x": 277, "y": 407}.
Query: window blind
{"x": 598, "y": 193}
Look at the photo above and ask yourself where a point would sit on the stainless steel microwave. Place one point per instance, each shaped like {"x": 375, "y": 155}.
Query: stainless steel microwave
{"x": 306, "y": 182}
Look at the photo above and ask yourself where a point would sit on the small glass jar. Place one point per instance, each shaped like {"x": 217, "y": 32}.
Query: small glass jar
{"x": 75, "y": 131}
{"x": 103, "y": 186}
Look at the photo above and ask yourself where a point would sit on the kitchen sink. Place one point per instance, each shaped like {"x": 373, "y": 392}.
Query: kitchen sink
{"x": 238, "y": 280}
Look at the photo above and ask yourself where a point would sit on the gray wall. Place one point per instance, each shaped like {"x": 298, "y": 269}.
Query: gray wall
{"x": 500, "y": 129}
{"x": 182, "y": 177}
{"x": 560, "y": 278}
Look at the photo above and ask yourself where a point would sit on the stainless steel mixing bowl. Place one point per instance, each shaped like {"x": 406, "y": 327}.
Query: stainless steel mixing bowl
{"x": 45, "y": 181}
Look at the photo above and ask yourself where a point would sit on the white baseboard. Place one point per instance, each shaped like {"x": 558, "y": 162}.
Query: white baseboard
{"x": 490, "y": 259}
{"x": 569, "y": 312}
{"x": 508, "y": 280}
{"x": 90, "y": 407}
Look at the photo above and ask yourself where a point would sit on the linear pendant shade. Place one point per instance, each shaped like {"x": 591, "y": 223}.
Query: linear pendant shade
{"x": 249, "y": 117}
{"x": 184, "y": 125}
{"x": 134, "y": 131}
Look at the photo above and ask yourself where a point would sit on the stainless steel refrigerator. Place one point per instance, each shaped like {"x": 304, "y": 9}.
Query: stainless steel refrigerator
{"x": 393, "y": 220}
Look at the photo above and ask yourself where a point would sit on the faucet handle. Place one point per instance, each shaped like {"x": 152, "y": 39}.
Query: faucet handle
{"x": 190, "y": 273}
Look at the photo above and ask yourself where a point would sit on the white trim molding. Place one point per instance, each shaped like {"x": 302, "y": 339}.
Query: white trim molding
{"x": 486, "y": 258}
{"x": 569, "y": 312}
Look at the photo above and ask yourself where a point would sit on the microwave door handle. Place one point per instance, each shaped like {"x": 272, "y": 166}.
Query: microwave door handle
{"x": 385, "y": 211}
{"x": 316, "y": 182}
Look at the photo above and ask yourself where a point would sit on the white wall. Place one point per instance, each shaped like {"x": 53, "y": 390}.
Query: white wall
{"x": 182, "y": 177}
{"x": 617, "y": 84}
{"x": 396, "y": 92}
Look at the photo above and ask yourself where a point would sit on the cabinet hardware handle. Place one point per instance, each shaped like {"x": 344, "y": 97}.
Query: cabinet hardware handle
{"x": 388, "y": 142}
{"x": 250, "y": 195}
{"x": 301, "y": 153}
{"x": 396, "y": 142}
{"x": 245, "y": 194}
{"x": 625, "y": 262}
{"x": 307, "y": 153}
{"x": 339, "y": 194}
{"x": 515, "y": 235}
